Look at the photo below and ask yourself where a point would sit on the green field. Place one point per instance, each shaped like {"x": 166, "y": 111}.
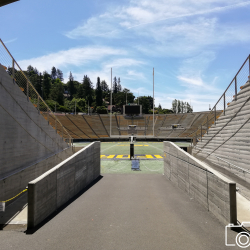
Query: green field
{"x": 154, "y": 166}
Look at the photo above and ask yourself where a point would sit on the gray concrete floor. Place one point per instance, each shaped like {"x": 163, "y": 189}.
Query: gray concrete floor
{"x": 126, "y": 211}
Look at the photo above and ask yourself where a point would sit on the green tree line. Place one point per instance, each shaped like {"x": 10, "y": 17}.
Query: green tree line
{"x": 84, "y": 96}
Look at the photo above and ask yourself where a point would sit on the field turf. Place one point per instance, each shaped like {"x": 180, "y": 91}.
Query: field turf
{"x": 154, "y": 166}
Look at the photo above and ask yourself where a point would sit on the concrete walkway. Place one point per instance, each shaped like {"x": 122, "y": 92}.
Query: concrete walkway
{"x": 126, "y": 211}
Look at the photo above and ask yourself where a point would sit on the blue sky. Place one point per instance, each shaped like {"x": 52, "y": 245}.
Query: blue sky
{"x": 196, "y": 47}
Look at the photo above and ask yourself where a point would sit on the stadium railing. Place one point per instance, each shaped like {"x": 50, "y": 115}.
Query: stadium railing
{"x": 21, "y": 79}
{"x": 229, "y": 96}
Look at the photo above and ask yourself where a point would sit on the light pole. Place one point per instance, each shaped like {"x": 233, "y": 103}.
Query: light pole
{"x": 153, "y": 103}
{"x": 110, "y": 104}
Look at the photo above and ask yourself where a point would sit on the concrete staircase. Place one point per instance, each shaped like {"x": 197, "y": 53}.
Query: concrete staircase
{"x": 227, "y": 143}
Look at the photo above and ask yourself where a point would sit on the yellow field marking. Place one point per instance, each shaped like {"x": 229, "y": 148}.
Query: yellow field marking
{"x": 111, "y": 156}
{"x": 122, "y": 156}
{"x": 158, "y": 156}
{"x": 119, "y": 156}
{"x": 149, "y": 156}
{"x": 103, "y": 156}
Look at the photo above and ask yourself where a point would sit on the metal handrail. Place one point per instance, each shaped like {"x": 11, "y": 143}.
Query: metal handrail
{"x": 215, "y": 110}
{"x": 65, "y": 133}
{"x": 242, "y": 169}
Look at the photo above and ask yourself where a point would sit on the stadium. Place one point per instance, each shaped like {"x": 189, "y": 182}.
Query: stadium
{"x": 122, "y": 181}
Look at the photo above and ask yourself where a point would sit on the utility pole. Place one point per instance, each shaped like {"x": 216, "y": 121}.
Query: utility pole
{"x": 153, "y": 103}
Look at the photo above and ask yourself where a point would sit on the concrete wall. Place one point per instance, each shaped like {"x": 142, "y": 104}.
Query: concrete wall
{"x": 15, "y": 183}
{"x": 25, "y": 136}
{"x": 208, "y": 187}
{"x": 54, "y": 188}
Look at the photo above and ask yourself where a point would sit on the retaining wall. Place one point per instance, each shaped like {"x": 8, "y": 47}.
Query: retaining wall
{"x": 16, "y": 182}
{"x": 25, "y": 136}
{"x": 54, "y": 188}
{"x": 208, "y": 187}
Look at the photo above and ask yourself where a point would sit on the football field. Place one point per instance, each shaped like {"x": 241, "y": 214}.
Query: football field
{"x": 115, "y": 156}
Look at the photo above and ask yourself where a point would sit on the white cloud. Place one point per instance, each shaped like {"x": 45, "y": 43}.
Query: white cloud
{"x": 124, "y": 62}
{"x": 192, "y": 81}
{"x": 180, "y": 12}
{"x": 101, "y": 26}
{"x": 132, "y": 74}
{"x": 10, "y": 41}
{"x": 74, "y": 57}
{"x": 120, "y": 68}
{"x": 173, "y": 28}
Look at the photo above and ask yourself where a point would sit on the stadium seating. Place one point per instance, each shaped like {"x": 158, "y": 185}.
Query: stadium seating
{"x": 227, "y": 142}
{"x": 98, "y": 126}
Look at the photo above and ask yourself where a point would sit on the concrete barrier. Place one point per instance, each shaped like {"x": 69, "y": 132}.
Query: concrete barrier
{"x": 18, "y": 181}
{"x": 54, "y": 188}
{"x": 212, "y": 190}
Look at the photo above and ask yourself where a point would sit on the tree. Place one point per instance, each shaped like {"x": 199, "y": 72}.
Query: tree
{"x": 181, "y": 107}
{"x": 104, "y": 86}
{"x": 145, "y": 102}
{"x": 119, "y": 86}
{"x": 57, "y": 91}
{"x": 59, "y": 75}
{"x": 189, "y": 108}
{"x": 178, "y": 106}
{"x": 101, "y": 110}
{"x": 71, "y": 86}
{"x": 98, "y": 93}
{"x": 159, "y": 107}
{"x": 34, "y": 78}
{"x": 115, "y": 85}
{"x": 86, "y": 90}
{"x": 53, "y": 74}
{"x": 46, "y": 85}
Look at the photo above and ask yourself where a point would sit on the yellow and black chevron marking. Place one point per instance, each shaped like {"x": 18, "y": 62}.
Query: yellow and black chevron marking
{"x": 15, "y": 196}
{"x": 141, "y": 156}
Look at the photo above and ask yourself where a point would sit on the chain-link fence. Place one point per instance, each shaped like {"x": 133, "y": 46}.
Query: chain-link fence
{"x": 20, "y": 78}
{"x": 220, "y": 108}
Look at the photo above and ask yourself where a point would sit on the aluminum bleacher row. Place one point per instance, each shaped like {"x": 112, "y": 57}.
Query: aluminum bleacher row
{"x": 98, "y": 126}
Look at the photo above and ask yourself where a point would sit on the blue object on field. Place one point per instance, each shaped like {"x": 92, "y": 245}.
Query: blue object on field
{"x": 135, "y": 164}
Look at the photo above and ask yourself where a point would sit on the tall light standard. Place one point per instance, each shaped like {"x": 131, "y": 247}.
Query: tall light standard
{"x": 153, "y": 103}
{"x": 110, "y": 104}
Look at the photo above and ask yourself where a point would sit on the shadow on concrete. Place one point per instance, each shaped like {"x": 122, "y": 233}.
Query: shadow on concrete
{"x": 33, "y": 230}
{"x": 12, "y": 210}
